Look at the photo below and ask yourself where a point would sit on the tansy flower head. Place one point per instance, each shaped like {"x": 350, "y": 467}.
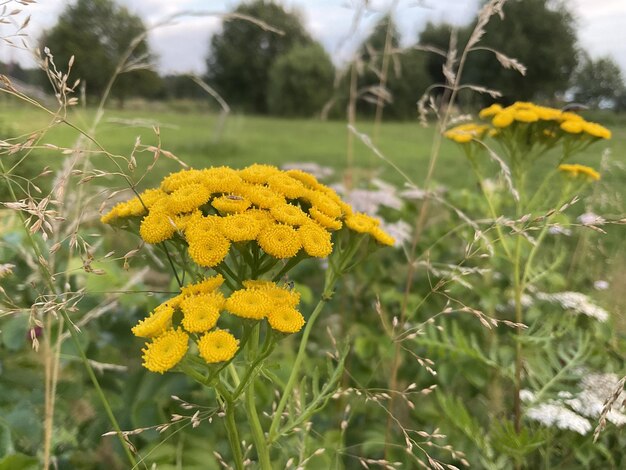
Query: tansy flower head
{"x": 465, "y": 133}
{"x": 155, "y": 324}
{"x": 315, "y": 240}
{"x": 279, "y": 241}
{"x": 361, "y": 223}
{"x": 258, "y": 174}
{"x": 230, "y": 203}
{"x": 490, "y": 111}
{"x": 177, "y": 180}
{"x": 208, "y": 248}
{"x": 135, "y": 206}
{"x": 572, "y": 126}
{"x": 217, "y": 346}
{"x": 262, "y": 197}
{"x": 156, "y": 227}
{"x": 324, "y": 220}
{"x": 305, "y": 178}
{"x": 200, "y": 312}
{"x": 503, "y": 119}
{"x": 289, "y": 214}
{"x": 325, "y": 203}
{"x": 382, "y": 237}
{"x": 596, "y": 130}
{"x": 205, "y": 286}
{"x": 166, "y": 351}
{"x": 576, "y": 170}
{"x": 249, "y": 303}
{"x": 187, "y": 198}
{"x": 285, "y": 319}
{"x": 284, "y": 184}
{"x": 282, "y": 296}
{"x": 221, "y": 179}
{"x": 240, "y": 227}
{"x": 262, "y": 216}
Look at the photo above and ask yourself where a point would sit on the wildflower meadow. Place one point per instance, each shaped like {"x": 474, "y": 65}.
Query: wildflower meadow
{"x": 189, "y": 283}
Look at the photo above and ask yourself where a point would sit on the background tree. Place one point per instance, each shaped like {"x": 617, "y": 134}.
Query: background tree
{"x": 98, "y": 33}
{"x": 301, "y": 81}
{"x": 598, "y": 82}
{"x": 538, "y": 33}
{"x": 541, "y": 35}
{"x": 407, "y": 77}
{"x": 241, "y": 56}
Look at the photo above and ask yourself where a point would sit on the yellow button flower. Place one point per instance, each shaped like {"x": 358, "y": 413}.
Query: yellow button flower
{"x": 166, "y": 351}
{"x": 201, "y": 312}
{"x": 279, "y": 241}
{"x": 155, "y": 324}
{"x": 315, "y": 240}
{"x": 218, "y": 346}
{"x": 286, "y": 319}
{"x": 208, "y": 248}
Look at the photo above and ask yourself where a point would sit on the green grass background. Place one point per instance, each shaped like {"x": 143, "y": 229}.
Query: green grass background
{"x": 250, "y": 139}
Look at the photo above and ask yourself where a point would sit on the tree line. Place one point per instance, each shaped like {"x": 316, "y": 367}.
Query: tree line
{"x": 258, "y": 70}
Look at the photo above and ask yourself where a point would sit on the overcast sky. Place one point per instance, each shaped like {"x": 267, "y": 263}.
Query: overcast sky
{"x": 183, "y": 45}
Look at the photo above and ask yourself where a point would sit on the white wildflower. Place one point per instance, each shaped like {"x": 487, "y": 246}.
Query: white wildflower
{"x": 596, "y": 389}
{"x": 553, "y": 414}
{"x": 370, "y": 201}
{"x": 601, "y": 285}
{"x": 526, "y": 395}
{"x": 576, "y": 302}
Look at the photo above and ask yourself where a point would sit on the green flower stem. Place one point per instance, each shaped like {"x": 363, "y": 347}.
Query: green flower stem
{"x": 250, "y": 404}
{"x": 331, "y": 279}
{"x": 492, "y": 209}
{"x": 233, "y": 435}
{"x": 73, "y": 334}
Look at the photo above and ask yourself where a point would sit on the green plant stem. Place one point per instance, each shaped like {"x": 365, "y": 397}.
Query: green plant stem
{"x": 258, "y": 436}
{"x": 331, "y": 279}
{"x": 492, "y": 209}
{"x": 233, "y": 435}
{"x": 518, "y": 286}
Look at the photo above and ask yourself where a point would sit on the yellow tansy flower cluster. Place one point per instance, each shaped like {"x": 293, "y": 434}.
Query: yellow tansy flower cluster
{"x": 258, "y": 300}
{"x": 201, "y": 305}
{"x": 551, "y": 118}
{"x": 283, "y": 212}
{"x": 552, "y": 123}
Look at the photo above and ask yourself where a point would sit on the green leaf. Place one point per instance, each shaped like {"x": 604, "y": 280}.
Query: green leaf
{"x": 15, "y": 332}
{"x": 6, "y": 443}
{"x": 18, "y": 462}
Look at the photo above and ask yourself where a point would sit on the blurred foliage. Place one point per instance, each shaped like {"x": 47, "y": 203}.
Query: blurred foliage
{"x": 540, "y": 34}
{"x": 300, "y": 82}
{"x": 242, "y": 54}
{"x": 98, "y": 33}
{"x": 598, "y": 83}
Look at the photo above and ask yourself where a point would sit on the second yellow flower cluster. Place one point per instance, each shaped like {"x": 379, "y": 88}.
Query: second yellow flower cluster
{"x": 201, "y": 305}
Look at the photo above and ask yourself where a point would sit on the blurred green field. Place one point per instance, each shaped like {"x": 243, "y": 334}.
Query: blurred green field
{"x": 247, "y": 139}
